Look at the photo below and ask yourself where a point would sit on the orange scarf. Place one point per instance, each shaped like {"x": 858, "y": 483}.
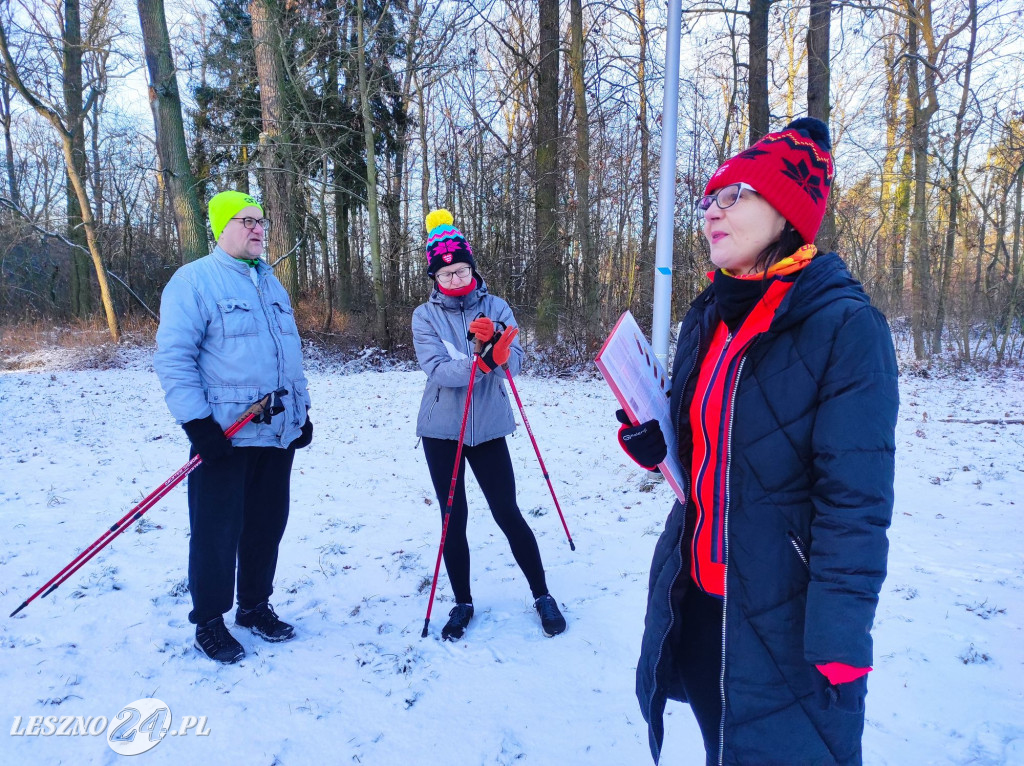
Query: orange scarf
{"x": 789, "y": 265}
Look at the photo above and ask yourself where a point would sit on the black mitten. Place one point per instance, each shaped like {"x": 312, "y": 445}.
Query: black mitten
{"x": 304, "y": 438}
{"x": 644, "y": 443}
{"x": 208, "y": 438}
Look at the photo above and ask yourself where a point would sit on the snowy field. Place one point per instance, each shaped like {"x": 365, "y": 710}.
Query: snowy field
{"x": 359, "y": 685}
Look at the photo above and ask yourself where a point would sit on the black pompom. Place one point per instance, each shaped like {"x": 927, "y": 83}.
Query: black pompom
{"x": 814, "y": 129}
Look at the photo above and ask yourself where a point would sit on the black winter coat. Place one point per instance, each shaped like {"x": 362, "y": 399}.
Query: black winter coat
{"x": 810, "y": 495}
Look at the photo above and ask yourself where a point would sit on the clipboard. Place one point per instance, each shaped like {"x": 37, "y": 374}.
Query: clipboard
{"x": 640, "y": 384}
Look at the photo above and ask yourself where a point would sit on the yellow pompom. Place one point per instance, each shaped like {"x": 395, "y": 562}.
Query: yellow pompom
{"x": 437, "y": 218}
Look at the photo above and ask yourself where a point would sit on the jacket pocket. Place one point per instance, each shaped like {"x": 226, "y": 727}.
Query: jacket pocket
{"x": 437, "y": 398}
{"x": 237, "y": 317}
{"x": 843, "y": 698}
{"x": 285, "y": 317}
{"x": 229, "y": 402}
{"x": 799, "y": 547}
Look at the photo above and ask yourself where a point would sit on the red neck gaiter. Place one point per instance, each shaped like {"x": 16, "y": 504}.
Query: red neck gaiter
{"x": 459, "y": 291}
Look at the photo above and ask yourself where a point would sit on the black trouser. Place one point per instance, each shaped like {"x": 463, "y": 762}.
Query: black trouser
{"x": 237, "y": 510}
{"x": 700, "y": 663}
{"x": 492, "y": 466}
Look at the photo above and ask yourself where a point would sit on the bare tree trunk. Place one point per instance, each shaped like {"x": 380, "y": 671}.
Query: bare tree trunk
{"x": 591, "y": 285}
{"x": 920, "y": 262}
{"x": 819, "y": 104}
{"x": 81, "y": 292}
{"x": 325, "y": 249}
{"x": 546, "y": 200}
{"x": 78, "y": 183}
{"x": 381, "y": 330}
{"x": 5, "y": 119}
{"x": 425, "y": 154}
{"x": 757, "y": 71}
{"x": 275, "y": 148}
{"x": 170, "y": 132}
{"x": 341, "y": 241}
{"x": 954, "y": 184}
{"x": 645, "y": 255}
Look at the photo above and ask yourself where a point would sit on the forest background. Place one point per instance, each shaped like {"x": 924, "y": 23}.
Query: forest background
{"x": 537, "y": 122}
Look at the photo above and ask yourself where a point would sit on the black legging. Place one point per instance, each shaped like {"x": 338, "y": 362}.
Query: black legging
{"x": 492, "y": 467}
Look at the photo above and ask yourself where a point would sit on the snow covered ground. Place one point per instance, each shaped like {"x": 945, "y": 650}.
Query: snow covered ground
{"x": 359, "y": 685}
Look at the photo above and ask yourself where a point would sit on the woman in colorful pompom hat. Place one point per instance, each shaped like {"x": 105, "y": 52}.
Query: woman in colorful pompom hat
{"x": 460, "y": 312}
{"x": 764, "y": 582}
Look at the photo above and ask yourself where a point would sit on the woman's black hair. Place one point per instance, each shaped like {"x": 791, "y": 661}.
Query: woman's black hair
{"x": 789, "y": 242}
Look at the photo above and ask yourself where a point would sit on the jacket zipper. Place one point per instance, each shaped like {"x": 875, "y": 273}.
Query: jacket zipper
{"x": 255, "y": 279}
{"x": 798, "y": 546}
{"x": 686, "y": 493}
{"x": 469, "y": 347}
{"x": 714, "y": 375}
{"x": 436, "y": 399}
{"x": 725, "y": 534}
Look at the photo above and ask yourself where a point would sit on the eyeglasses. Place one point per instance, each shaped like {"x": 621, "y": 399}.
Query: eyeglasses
{"x": 445, "y": 277}
{"x": 725, "y": 197}
{"x": 250, "y": 223}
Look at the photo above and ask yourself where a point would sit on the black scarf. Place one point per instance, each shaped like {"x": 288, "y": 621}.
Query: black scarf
{"x": 736, "y": 298}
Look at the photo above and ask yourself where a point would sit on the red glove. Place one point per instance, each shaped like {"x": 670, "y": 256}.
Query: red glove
{"x": 496, "y": 353}
{"x": 482, "y": 328}
{"x": 838, "y": 673}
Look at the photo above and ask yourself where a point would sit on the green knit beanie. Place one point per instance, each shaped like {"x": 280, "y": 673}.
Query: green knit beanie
{"x": 225, "y": 205}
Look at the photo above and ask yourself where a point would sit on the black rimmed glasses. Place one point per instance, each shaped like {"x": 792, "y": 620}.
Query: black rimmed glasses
{"x": 250, "y": 223}
{"x": 445, "y": 277}
{"x": 725, "y": 197}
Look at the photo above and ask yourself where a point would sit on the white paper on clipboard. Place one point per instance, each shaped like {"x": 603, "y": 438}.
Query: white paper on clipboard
{"x": 639, "y": 382}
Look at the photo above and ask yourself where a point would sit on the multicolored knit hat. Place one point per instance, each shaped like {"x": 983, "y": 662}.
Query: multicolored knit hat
{"x": 445, "y": 244}
{"x": 792, "y": 170}
{"x": 225, "y": 205}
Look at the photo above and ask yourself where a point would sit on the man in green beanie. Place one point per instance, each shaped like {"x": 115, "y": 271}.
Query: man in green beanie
{"x": 227, "y": 336}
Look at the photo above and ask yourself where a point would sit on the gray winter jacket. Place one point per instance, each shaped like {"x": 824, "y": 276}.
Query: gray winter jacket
{"x": 227, "y": 336}
{"x": 439, "y": 330}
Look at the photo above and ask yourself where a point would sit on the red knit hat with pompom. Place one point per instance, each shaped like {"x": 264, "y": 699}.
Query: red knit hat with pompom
{"x": 791, "y": 169}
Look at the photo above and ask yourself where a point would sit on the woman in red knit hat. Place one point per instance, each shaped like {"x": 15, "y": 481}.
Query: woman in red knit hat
{"x": 764, "y": 582}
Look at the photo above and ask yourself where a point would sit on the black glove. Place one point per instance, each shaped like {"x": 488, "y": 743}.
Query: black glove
{"x": 644, "y": 443}
{"x": 303, "y": 439}
{"x": 208, "y": 439}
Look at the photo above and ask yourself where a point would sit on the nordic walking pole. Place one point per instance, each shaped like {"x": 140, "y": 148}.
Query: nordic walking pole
{"x": 266, "y": 408}
{"x": 451, "y": 491}
{"x": 543, "y": 468}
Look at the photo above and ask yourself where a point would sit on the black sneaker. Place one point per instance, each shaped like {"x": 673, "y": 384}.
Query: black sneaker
{"x": 458, "y": 619}
{"x": 215, "y": 641}
{"x": 263, "y": 621}
{"x": 551, "y": 619}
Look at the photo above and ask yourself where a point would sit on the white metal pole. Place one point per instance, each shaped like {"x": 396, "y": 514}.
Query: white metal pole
{"x": 667, "y": 187}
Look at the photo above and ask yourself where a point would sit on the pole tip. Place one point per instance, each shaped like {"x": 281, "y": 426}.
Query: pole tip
{"x": 18, "y": 609}
{"x": 426, "y": 622}
{"x": 572, "y": 545}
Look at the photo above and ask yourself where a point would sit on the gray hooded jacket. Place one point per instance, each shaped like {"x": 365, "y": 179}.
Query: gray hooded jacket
{"x": 439, "y": 330}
